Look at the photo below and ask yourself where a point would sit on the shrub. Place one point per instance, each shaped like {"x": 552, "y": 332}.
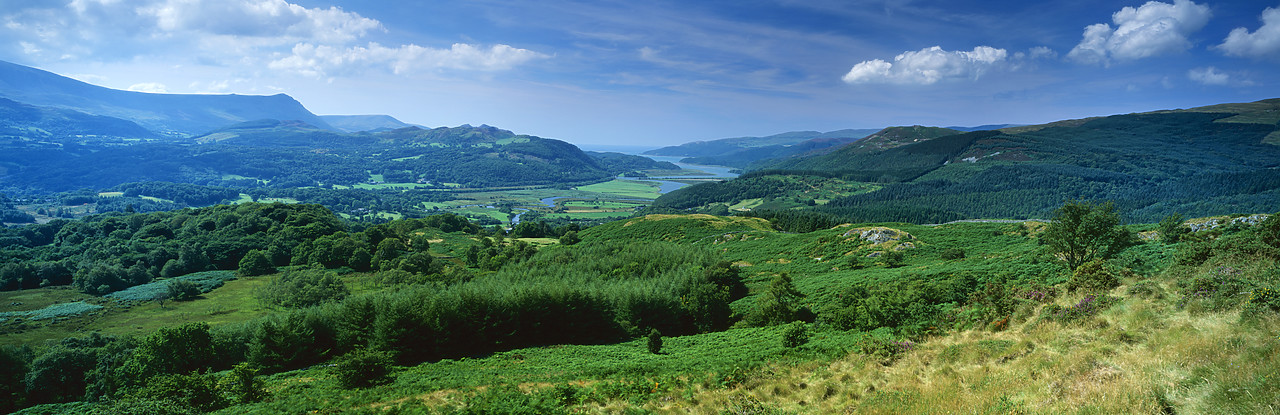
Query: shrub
{"x": 893, "y": 259}
{"x": 570, "y": 238}
{"x": 1219, "y": 290}
{"x": 363, "y": 368}
{"x": 1146, "y": 289}
{"x": 1093, "y": 276}
{"x": 888, "y": 350}
{"x": 1193, "y": 253}
{"x": 182, "y": 290}
{"x": 655, "y": 341}
{"x": 953, "y": 253}
{"x": 796, "y": 334}
{"x": 241, "y": 383}
{"x": 1088, "y": 306}
{"x": 193, "y": 390}
{"x": 1171, "y": 229}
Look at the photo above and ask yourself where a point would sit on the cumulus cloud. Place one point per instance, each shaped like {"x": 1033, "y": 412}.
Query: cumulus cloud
{"x": 273, "y": 33}
{"x": 1265, "y": 42}
{"x": 1152, "y": 29}
{"x": 259, "y": 18}
{"x": 927, "y": 66}
{"x": 323, "y": 61}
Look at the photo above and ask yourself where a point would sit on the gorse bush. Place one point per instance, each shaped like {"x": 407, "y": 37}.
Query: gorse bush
{"x": 796, "y": 335}
{"x": 1093, "y": 276}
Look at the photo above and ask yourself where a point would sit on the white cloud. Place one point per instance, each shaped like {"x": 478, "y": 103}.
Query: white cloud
{"x": 324, "y": 61}
{"x": 1209, "y": 76}
{"x": 1152, "y": 29}
{"x": 151, "y": 87}
{"x": 1262, "y": 43}
{"x": 248, "y": 35}
{"x": 259, "y": 18}
{"x": 927, "y": 66}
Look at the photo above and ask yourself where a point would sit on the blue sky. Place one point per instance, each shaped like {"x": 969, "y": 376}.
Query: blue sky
{"x": 667, "y": 72}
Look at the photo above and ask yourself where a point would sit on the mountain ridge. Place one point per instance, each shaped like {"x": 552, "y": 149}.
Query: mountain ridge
{"x": 177, "y": 115}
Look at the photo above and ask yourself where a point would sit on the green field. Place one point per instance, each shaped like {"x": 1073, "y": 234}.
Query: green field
{"x": 625, "y": 188}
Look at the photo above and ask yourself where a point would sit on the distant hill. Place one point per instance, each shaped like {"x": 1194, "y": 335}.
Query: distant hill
{"x": 168, "y": 114}
{"x": 720, "y": 147}
{"x": 1203, "y": 161}
{"x": 363, "y": 123}
{"x": 54, "y": 124}
{"x": 982, "y": 127}
{"x": 742, "y": 152}
{"x": 290, "y": 154}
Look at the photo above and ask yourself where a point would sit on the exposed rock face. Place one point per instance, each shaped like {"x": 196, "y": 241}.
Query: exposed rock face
{"x": 878, "y": 235}
{"x": 1198, "y": 225}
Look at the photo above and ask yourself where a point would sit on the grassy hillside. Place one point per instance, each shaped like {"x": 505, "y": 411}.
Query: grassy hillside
{"x": 972, "y": 318}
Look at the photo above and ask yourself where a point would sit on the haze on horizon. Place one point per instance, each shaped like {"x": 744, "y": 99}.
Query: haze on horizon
{"x": 665, "y": 72}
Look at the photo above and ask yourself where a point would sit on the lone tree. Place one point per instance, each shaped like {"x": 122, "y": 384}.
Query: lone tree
{"x": 1084, "y": 231}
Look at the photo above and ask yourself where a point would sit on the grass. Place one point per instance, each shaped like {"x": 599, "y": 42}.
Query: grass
{"x": 625, "y": 188}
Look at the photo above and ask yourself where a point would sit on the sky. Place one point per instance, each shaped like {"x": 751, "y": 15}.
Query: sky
{"x": 651, "y": 73}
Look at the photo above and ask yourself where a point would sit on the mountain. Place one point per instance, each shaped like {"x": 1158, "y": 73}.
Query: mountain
{"x": 983, "y": 127}
{"x": 363, "y": 123}
{"x": 1203, "y": 161}
{"x": 167, "y": 114}
{"x": 720, "y": 147}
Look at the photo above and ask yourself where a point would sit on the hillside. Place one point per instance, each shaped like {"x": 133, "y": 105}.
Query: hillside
{"x": 167, "y": 114}
{"x": 1200, "y": 161}
{"x": 858, "y": 318}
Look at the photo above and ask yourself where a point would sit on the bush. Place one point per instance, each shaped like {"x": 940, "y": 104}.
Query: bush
{"x": 363, "y": 368}
{"x": 1219, "y": 290}
{"x": 1171, "y": 229}
{"x": 893, "y": 259}
{"x": 655, "y": 341}
{"x": 1146, "y": 289}
{"x": 194, "y": 390}
{"x": 795, "y": 335}
{"x": 887, "y": 350}
{"x": 1093, "y": 276}
{"x": 1088, "y": 306}
{"x": 1193, "y": 253}
{"x": 953, "y": 254}
{"x": 182, "y": 290}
